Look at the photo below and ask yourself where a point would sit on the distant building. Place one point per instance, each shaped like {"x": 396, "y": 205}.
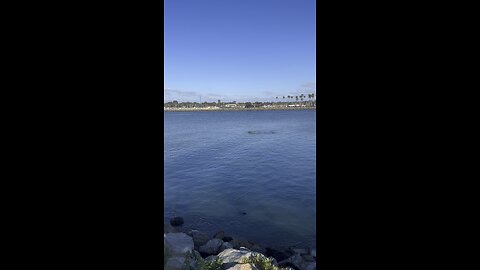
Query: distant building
{"x": 231, "y": 105}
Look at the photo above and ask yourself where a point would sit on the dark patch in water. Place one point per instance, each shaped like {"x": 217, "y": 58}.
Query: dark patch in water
{"x": 261, "y": 132}
{"x": 279, "y": 255}
{"x": 227, "y": 239}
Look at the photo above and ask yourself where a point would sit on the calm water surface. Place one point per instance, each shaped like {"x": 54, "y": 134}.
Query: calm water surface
{"x": 219, "y": 165}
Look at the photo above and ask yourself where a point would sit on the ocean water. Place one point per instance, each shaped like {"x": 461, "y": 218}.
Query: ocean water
{"x": 248, "y": 173}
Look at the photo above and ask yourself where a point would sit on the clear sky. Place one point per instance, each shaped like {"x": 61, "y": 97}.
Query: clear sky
{"x": 239, "y": 50}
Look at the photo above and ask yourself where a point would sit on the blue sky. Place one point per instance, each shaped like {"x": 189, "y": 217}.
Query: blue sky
{"x": 239, "y": 50}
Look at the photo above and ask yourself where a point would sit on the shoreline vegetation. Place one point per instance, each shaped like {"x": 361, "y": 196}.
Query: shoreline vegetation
{"x": 296, "y": 103}
{"x": 186, "y": 248}
{"x": 167, "y": 109}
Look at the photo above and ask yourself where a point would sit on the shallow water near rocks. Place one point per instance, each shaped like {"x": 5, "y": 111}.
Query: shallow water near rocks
{"x": 248, "y": 173}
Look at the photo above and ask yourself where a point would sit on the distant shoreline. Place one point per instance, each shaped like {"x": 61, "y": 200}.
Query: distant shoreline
{"x": 238, "y": 109}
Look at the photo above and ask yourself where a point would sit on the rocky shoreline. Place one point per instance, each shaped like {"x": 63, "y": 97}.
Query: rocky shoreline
{"x": 191, "y": 249}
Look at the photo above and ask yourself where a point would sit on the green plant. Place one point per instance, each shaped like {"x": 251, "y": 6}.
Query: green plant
{"x": 261, "y": 262}
{"x": 215, "y": 264}
{"x": 201, "y": 264}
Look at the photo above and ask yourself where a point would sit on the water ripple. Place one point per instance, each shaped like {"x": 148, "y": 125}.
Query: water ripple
{"x": 215, "y": 171}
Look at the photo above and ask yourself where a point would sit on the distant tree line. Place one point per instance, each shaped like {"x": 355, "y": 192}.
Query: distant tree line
{"x": 300, "y": 100}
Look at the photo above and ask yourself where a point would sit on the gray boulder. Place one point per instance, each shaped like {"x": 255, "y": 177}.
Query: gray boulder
{"x": 301, "y": 264}
{"x": 225, "y": 245}
{"x": 211, "y": 247}
{"x": 178, "y": 244}
{"x": 199, "y": 238}
{"x": 234, "y": 256}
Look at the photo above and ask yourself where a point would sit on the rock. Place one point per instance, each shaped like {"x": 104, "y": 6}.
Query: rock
{"x": 277, "y": 254}
{"x": 245, "y": 266}
{"x": 234, "y": 256}
{"x": 178, "y": 243}
{"x": 313, "y": 252}
{"x": 301, "y": 264}
{"x": 219, "y": 235}
{"x": 231, "y": 257}
{"x": 225, "y": 245}
{"x": 199, "y": 238}
{"x": 211, "y": 247}
{"x": 227, "y": 239}
{"x": 176, "y": 221}
{"x": 175, "y": 263}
